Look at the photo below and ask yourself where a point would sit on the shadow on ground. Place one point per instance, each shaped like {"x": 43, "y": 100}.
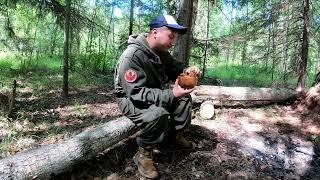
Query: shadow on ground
{"x": 117, "y": 163}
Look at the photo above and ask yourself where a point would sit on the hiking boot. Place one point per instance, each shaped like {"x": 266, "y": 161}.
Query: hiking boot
{"x": 143, "y": 159}
{"x": 182, "y": 142}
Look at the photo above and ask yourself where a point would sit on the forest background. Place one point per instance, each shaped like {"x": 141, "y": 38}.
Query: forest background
{"x": 53, "y": 45}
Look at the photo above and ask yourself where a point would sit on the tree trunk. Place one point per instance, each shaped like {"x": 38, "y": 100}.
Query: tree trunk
{"x": 53, "y": 40}
{"x": 242, "y": 96}
{"x": 90, "y": 36}
{"x": 207, "y": 40}
{"x": 78, "y": 36}
{"x": 109, "y": 23}
{"x": 34, "y": 48}
{"x": 131, "y": 17}
{"x": 268, "y": 48}
{"x": 244, "y": 53}
{"x": 66, "y": 51}
{"x": 286, "y": 43}
{"x": 317, "y": 67}
{"x": 234, "y": 52}
{"x": 46, "y": 161}
{"x": 139, "y": 15}
{"x": 273, "y": 49}
{"x": 269, "y": 40}
{"x": 245, "y": 44}
{"x": 186, "y": 17}
{"x": 305, "y": 47}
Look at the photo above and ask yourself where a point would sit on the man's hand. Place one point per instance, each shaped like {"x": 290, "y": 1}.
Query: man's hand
{"x": 194, "y": 69}
{"x": 179, "y": 92}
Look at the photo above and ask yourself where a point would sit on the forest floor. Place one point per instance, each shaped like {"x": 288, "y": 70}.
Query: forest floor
{"x": 272, "y": 142}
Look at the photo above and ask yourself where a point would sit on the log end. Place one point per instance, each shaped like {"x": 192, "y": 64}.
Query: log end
{"x": 207, "y": 110}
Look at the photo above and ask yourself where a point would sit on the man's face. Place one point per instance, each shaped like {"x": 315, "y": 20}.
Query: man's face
{"x": 165, "y": 38}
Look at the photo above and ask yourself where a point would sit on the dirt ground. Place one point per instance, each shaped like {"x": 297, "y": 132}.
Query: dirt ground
{"x": 273, "y": 142}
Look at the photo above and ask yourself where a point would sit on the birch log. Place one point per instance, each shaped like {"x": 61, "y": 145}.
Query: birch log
{"x": 46, "y": 161}
{"x": 241, "y": 96}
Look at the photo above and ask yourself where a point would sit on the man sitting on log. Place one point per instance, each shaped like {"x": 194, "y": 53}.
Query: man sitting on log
{"x": 142, "y": 75}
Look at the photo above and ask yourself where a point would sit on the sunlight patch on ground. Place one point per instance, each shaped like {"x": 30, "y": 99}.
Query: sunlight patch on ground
{"x": 25, "y": 142}
{"x": 258, "y": 115}
{"x": 68, "y": 122}
{"x": 4, "y": 124}
{"x": 311, "y": 128}
{"x": 268, "y": 135}
{"x": 26, "y": 90}
{"x": 251, "y": 127}
{"x": 98, "y": 110}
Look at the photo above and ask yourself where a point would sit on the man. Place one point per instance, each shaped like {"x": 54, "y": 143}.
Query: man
{"x": 142, "y": 72}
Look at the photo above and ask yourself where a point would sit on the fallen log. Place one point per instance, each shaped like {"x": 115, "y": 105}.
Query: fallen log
{"x": 241, "y": 96}
{"x": 206, "y": 110}
{"x": 50, "y": 160}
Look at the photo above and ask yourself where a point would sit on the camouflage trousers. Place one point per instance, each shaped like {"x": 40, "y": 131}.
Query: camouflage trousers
{"x": 158, "y": 124}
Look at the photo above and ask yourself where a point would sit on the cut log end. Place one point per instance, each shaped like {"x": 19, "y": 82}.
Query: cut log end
{"x": 207, "y": 110}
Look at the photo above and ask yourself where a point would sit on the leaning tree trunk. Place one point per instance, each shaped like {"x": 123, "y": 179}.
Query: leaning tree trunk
{"x": 186, "y": 17}
{"x": 50, "y": 160}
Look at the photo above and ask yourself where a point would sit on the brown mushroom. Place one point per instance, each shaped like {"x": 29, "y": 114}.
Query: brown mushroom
{"x": 187, "y": 80}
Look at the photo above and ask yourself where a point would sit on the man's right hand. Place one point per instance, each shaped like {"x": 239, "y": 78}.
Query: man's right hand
{"x": 179, "y": 92}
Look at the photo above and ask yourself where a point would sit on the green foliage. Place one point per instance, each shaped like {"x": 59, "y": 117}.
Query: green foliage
{"x": 44, "y": 73}
{"x": 6, "y": 65}
{"x": 246, "y": 75}
{"x": 98, "y": 62}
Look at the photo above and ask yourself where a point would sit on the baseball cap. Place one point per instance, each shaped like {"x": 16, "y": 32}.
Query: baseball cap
{"x": 168, "y": 21}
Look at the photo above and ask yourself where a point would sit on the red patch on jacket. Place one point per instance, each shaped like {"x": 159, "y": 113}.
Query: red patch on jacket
{"x": 130, "y": 75}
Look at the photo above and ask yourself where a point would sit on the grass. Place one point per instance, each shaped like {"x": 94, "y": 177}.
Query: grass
{"x": 44, "y": 74}
{"x": 252, "y": 76}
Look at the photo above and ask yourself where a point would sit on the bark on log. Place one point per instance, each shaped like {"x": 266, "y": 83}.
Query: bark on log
{"x": 241, "y": 96}
{"x": 46, "y": 161}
